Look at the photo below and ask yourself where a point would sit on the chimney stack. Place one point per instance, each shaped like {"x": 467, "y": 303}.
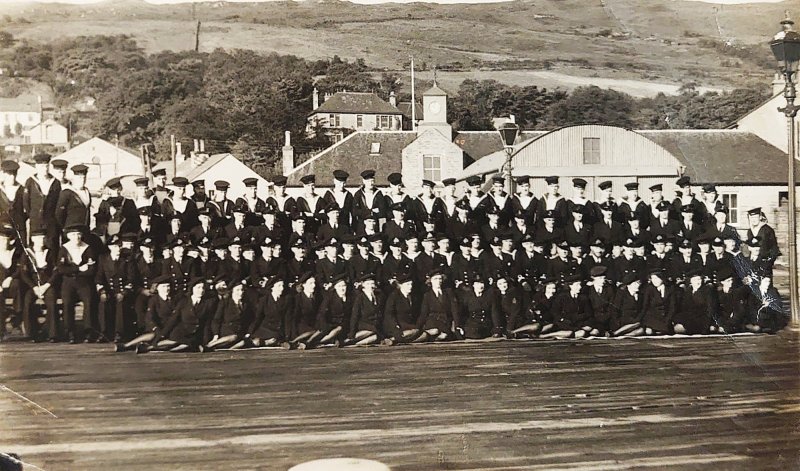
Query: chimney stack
{"x": 512, "y": 118}
{"x": 179, "y": 157}
{"x": 327, "y": 97}
{"x": 778, "y": 84}
{"x": 288, "y": 154}
{"x": 315, "y": 99}
{"x": 392, "y": 99}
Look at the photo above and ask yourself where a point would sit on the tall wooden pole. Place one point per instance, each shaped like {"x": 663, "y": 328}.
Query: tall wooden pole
{"x": 197, "y": 38}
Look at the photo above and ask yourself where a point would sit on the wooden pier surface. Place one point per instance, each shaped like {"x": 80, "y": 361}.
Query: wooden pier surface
{"x": 682, "y": 403}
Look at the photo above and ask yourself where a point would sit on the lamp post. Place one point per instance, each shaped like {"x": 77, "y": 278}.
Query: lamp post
{"x": 508, "y": 133}
{"x": 786, "y": 48}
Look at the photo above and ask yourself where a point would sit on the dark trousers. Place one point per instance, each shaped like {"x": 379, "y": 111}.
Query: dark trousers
{"x": 79, "y": 290}
{"x": 116, "y": 316}
{"x": 140, "y": 307}
{"x": 32, "y": 309}
{"x": 12, "y": 293}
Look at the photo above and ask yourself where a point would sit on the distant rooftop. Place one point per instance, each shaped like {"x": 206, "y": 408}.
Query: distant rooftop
{"x": 356, "y": 103}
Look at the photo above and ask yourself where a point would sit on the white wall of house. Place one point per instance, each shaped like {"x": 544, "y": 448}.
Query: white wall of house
{"x": 768, "y": 123}
{"x": 357, "y": 122}
{"x": 48, "y": 132}
{"x": 24, "y": 118}
{"x": 233, "y": 171}
{"x": 105, "y": 161}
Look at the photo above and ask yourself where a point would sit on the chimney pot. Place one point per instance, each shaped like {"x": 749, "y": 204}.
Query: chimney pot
{"x": 288, "y": 155}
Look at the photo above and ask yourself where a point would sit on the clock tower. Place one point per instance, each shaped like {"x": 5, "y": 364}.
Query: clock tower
{"x": 434, "y": 115}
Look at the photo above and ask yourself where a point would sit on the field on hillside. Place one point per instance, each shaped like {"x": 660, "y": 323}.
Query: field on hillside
{"x": 660, "y": 41}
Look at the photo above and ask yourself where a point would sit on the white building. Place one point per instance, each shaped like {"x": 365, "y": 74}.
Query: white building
{"x": 747, "y": 164}
{"x": 215, "y": 167}
{"x": 46, "y": 132}
{"x": 354, "y": 111}
{"x": 16, "y": 114}
{"x": 105, "y": 161}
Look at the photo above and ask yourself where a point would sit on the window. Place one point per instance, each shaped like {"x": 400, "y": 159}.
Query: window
{"x": 359, "y": 120}
{"x": 731, "y": 200}
{"x": 333, "y": 121}
{"x": 383, "y": 122}
{"x": 375, "y": 148}
{"x": 432, "y": 167}
{"x": 591, "y": 150}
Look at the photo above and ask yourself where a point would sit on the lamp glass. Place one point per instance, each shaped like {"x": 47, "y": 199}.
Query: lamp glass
{"x": 508, "y": 133}
{"x": 787, "y": 51}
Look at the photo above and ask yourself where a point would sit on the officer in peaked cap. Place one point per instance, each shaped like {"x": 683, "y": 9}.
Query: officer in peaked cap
{"x": 255, "y": 206}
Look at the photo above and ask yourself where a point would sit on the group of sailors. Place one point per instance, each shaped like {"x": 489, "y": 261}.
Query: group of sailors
{"x": 169, "y": 270}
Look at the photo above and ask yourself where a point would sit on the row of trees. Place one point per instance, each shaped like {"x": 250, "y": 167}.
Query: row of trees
{"x": 243, "y": 101}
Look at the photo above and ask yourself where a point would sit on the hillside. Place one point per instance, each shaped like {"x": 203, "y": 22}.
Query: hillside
{"x": 661, "y": 41}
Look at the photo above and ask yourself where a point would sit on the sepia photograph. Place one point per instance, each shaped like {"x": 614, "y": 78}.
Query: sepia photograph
{"x": 399, "y": 235}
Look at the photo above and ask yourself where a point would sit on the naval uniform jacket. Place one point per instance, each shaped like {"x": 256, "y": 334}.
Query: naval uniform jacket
{"x": 273, "y": 317}
{"x": 572, "y": 313}
{"x": 13, "y": 211}
{"x": 367, "y": 314}
{"x": 232, "y": 318}
{"x": 40, "y": 207}
{"x": 439, "y": 312}
{"x": 400, "y": 313}
{"x": 697, "y": 310}
{"x": 364, "y": 208}
{"x": 72, "y": 209}
{"x": 658, "y": 309}
{"x": 334, "y": 311}
{"x": 304, "y": 313}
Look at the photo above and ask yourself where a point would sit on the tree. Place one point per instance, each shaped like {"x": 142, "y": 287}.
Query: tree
{"x": 591, "y": 105}
{"x": 6, "y": 39}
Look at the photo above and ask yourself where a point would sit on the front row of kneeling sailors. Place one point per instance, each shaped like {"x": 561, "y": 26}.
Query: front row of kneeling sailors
{"x": 233, "y": 315}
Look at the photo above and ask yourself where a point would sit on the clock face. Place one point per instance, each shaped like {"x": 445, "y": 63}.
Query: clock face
{"x": 435, "y": 107}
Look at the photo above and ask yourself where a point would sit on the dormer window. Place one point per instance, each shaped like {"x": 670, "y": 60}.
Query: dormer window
{"x": 375, "y": 148}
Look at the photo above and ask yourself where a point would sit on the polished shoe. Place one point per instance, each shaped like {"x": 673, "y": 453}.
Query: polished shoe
{"x": 72, "y": 340}
{"x": 119, "y": 347}
{"x": 101, "y": 339}
{"x": 300, "y": 346}
{"x": 142, "y": 348}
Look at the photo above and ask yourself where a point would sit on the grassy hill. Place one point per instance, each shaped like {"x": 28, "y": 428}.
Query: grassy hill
{"x": 660, "y": 41}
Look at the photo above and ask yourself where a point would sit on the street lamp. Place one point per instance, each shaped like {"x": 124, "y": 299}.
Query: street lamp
{"x": 786, "y": 48}
{"x": 508, "y": 133}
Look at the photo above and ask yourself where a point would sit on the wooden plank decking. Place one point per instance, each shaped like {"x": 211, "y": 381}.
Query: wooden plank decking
{"x": 685, "y": 403}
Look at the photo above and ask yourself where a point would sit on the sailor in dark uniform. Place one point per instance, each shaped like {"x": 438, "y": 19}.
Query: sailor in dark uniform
{"x": 147, "y": 269}
{"x": 689, "y": 229}
{"x": 710, "y": 203}
{"x": 764, "y": 232}
{"x": 578, "y": 230}
{"x": 366, "y": 318}
{"x": 553, "y": 201}
{"x": 683, "y": 263}
{"x": 115, "y": 286}
{"x": 659, "y": 303}
{"x": 221, "y": 207}
{"x": 203, "y": 232}
{"x": 160, "y": 190}
{"x": 310, "y": 204}
{"x": 656, "y": 198}
{"x": 463, "y": 223}
{"x": 116, "y": 214}
{"x": 548, "y": 232}
{"x": 181, "y": 206}
{"x": 330, "y": 267}
{"x": 401, "y": 313}
{"x": 601, "y": 293}
{"x": 481, "y": 316}
{"x": 477, "y": 199}
{"x": 77, "y": 265}
{"x": 40, "y": 198}
{"x": 632, "y": 205}
{"x": 731, "y": 296}
{"x": 343, "y": 198}
{"x": 230, "y": 326}
{"x": 184, "y": 329}
{"x": 501, "y": 200}
{"x": 58, "y": 168}
{"x": 439, "y": 310}
{"x": 687, "y": 199}
{"x": 524, "y": 201}
{"x": 10, "y": 254}
{"x": 572, "y": 311}
{"x": 579, "y": 198}
{"x": 606, "y": 189}
{"x": 271, "y": 324}
{"x": 428, "y": 207}
{"x": 37, "y": 273}
{"x": 664, "y": 223}
{"x": 255, "y": 206}
{"x": 696, "y": 307}
{"x": 368, "y": 201}
{"x": 764, "y": 311}
{"x": 75, "y": 202}
{"x": 12, "y": 209}
{"x": 401, "y": 225}
{"x": 396, "y": 194}
{"x": 160, "y": 308}
{"x": 607, "y": 227}
{"x": 659, "y": 259}
{"x": 199, "y": 195}
{"x": 334, "y": 314}
{"x": 449, "y": 198}
{"x": 282, "y": 204}
{"x": 626, "y": 320}
{"x": 302, "y": 323}
{"x": 333, "y": 227}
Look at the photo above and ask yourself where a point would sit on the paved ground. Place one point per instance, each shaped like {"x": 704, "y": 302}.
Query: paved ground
{"x": 684, "y": 403}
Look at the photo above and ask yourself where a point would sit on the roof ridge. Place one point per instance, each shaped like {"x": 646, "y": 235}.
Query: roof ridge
{"x": 329, "y": 149}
